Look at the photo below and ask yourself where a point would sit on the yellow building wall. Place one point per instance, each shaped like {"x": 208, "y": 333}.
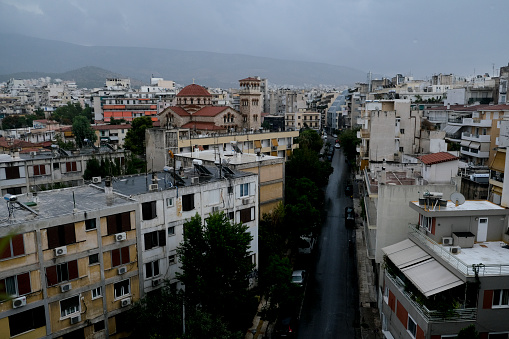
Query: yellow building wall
{"x": 269, "y": 207}
{"x": 272, "y": 191}
{"x": 83, "y": 280}
{"x": 5, "y": 331}
{"x": 113, "y": 304}
{"x": 112, "y": 325}
{"x": 30, "y": 256}
{"x": 271, "y": 172}
{"x": 110, "y": 272}
{"x": 35, "y": 295}
{"x": 108, "y": 240}
{"x": 84, "y": 241}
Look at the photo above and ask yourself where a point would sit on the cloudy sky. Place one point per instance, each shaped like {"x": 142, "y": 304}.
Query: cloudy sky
{"x": 418, "y": 38}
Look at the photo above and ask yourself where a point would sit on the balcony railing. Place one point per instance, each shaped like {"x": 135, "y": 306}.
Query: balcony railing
{"x": 452, "y": 259}
{"x": 434, "y": 316}
{"x": 476, "y": 137}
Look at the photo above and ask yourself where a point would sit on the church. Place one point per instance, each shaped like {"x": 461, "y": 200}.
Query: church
{"x": 194, "y": 110}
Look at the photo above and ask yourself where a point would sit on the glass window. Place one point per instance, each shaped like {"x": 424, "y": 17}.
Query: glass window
{"x": 412, "y": 327}
{"x": 69, "y": 306}
{"x": 152, "y": 269}
{"x": 121, "y": 288}
{"x": 90, "y": 224}
{"x": 93, "y": 259}
{"x": 172, "y": 259}
{"x": 171, "y": 230}
{"x": 244, "y": 190}
{"x": 97, "y": 293}
{"x": 169, "y": 202}
{"x": 501, "y": 298}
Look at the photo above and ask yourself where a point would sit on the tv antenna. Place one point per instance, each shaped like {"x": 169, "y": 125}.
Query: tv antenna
{"x": 457, "y": 198}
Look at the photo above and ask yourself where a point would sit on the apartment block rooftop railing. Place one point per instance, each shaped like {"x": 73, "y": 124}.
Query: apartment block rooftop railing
{"x": 468, "y": 270}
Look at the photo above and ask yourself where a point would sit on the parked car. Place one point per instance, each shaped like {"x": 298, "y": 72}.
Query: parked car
{"x": 349, "y": 216}
{"x": 298, "y": 277}
{"x": 349, "y": 190}
{"x": 306, "y": 244}
{"x": 286, "y": 327}
{"x": 337, "y": 146}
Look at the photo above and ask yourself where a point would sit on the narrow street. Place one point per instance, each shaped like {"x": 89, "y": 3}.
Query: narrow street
{"x": 330, "y": 308}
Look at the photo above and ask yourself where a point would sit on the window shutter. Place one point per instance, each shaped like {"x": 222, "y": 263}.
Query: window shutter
{"x": 68, "y": 167}
{"x": 73, "y": 269}
{"x": 17, "y": 245}
{"x": 69, "y": 234}
{"x": 252, "y": 213}
{"x": 111, "y": 221}
{"x": 36, "y": 170}
{"x": 43, "y": 169}
{"x": 148, "y": 269}
{"x": 125, "y": 254}
{"x": 53, "y": 238}
{"x": 153, "y": 206}
{"x": 488, "y": 299}
{"x": 126, "y": 221}
{"x": 162, "y": 238}
{"x": 433, "y": 224}
{"x": 74, "y": 168}
{"x": 51, "y": 275}
{"x": 148, "y": 241}
{"x": 24, "y": 283}
{"x": 115, "y": 258}
{"x": 6, "y": 253}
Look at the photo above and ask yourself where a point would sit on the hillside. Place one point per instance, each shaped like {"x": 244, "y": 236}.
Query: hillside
{"x": 26, "y": 54}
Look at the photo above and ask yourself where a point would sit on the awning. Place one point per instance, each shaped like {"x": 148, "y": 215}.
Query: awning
{"x": 475, "y": 145}
{"x": 114, "y": 138}
{"x": 498, "y": 163}
{"x": 405, "y": 253}
{"x": 496, "y": 190}
{"x": 274, "y": 142}
{"x": 430, "y": 277}
{"x": 450, "y": 129}
{"x": 465, "y": 143}
{"x": 257, "y": 144}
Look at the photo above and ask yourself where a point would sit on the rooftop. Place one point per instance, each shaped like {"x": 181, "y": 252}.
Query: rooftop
{"x": 58, "y": 203}
{"x": 232, "y": 158}
{"x": 435, "y": 158}
{"x": 468, "y": 205}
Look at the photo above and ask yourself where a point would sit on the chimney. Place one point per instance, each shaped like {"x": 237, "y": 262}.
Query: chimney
{"x": 108, "y": 186}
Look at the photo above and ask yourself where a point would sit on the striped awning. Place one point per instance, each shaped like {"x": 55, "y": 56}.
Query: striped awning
{"x": 257, "y": 144}
{"x": 465, "y": 143}
{"x": 498, "y": 163}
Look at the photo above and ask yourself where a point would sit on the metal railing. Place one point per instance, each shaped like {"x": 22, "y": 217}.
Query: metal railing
{"x": 435, "y": 316}
{"x": 466, "y": 269}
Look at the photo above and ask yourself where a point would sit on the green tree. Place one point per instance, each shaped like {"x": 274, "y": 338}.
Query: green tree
{"x": 305, "y": 162}
{"x": 66, "y": 114}
{"x": 216, "y": 261}
{"x": 310, "y": 139}
{"x": 82, "y": 130}
{"x": 69, "y": 145}
{"x": 349, "y": 141}
{"x": 135, "y": 137}
{"x": 468, "y": 332}
{"x": 13, "y": 121}
{"x": 93, "y": 169}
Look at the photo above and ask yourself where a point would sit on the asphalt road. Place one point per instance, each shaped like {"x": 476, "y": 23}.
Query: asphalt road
{"x": 330, "y": 307}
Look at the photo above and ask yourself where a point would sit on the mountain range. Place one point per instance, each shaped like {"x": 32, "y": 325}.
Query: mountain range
{"x": 28, "y": 57}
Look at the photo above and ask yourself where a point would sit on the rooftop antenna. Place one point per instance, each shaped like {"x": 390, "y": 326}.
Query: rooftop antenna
{"x": 457, "y": 198}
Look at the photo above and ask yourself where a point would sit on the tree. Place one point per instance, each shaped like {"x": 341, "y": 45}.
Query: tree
{"x": 349, "y": 141}
{"x": 82, "y": 130}
{"x": 305, "y": 162}
{"x": 468, "y": 332}
{"x": 310, "y": 139}
{"x": 216, "y": 261}
{"x": 135, "y": 137}
{"x": 66, "y": 114}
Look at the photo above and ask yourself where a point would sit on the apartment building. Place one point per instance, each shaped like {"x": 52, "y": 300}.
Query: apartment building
{"x": 450, "y": 273}
{"x": 302, "y": 119}
{"x": 70, "y": 268}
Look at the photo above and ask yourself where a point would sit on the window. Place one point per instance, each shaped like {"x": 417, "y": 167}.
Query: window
{"x": 93, "y": 259}
{"x": 501, "y": 298}
{"x": 244, "y": 190}
{"x": 402, "y": 131}
{"x": 12, "y": 173}
{"x": 15, "y": 286}
{"x": 99, "y": 326}
{"x": 230, "y": 189}
{"x": 90, "y": 224}
{"x": 40, "y": 170}
{"x": 62, "y": 272}
{"x": 169, "y": 202}
{"x": 56, "y": 165}
{"x": 121, "y": 288}
{"x": 26, "y": 321}
{"x": 401, "y": 149}
{"x": 14, "y": 190}
{"x": 117, "y": 223}
{"x": 71, "y": 166}
{"x": 498, "y": 335}
{"x": 412, "y": 327}
{"x": 231, "y": 215}
{"x": 97, "y": 293}
{"x": 188, "y": 202}
{"x": 171, "y": 231}
{"x": 172, "y": 259}
{"x": 154, "y": 239}
{"x": 13, "y": 247}
{"x": 148, "y": 210}
{"x": 61, "y": 235}
{"x": 152, "y": 269}
{"x": 120, "y": 256}
{"x": 69, "y": 306}
{"x": 247, "y": 214}
{"x": 426, "y": 223}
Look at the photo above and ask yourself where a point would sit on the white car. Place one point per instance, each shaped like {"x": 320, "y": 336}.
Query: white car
{"x": 298, "y": 277}
{"x": 337, "y": 146}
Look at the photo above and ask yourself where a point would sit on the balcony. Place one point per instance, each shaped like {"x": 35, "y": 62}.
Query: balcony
{"x": 364, "y": 133}
{"x": 474, "y": 152}
{"x": 470, "y": 122}
{"x": 475, "y": 137}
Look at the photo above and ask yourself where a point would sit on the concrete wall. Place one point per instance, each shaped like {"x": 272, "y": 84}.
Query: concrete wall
{"x": 440, "y": 173}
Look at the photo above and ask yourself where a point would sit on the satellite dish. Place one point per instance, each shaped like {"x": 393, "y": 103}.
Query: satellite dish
{"x": 457, "y": 198}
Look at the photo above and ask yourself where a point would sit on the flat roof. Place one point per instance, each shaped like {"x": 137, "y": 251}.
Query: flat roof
{"x": 231, "y": 157}
{"x": 60, "y": 202}
{"x": 487, "y": 253}
{"x": 468, "y": 205}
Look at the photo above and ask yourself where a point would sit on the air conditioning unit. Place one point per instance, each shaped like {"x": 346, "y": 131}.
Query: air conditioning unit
{"x": 19, "y": 302}
{"x": 33, "y": 153}
{"x": 125, "y": 302}
{"x": 122, "y": 270}
{"x": 447, "y": 241}
{"x": 120, "y": 236}
{"x": 96, "y": 180}
{"x": 455, "y": 249}
{"x": 60, "y": 251}
{"x": 215, "y": 208}
{"x": 156, "y": 282}
{"x": 245, "y": 201}
{"x": 153, "y": 187}
{"x": 195, "y": 180}
{"x": 66, "y": 287}
{"x": 76, "y": 319}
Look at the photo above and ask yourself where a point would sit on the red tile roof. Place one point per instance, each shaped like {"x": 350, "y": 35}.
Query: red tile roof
{"x": 194, "y": 90}
{"x": 436, "y": 158}
{"x": 495, "y": 108}
{"x": 17, "y": 143}
{"x": 250, "y": 79}
{"x": 210, "y": 111}
{"x": 204, "y": 126}
{"x": 458, "y": 108}
{"x": 108, "y": 127}
{"x": 179, "y": 111}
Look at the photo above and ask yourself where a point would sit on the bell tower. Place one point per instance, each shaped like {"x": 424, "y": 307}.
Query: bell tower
{"x": 250, "y": 103}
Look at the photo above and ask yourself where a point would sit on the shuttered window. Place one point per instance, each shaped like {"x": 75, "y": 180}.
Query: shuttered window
{"x": 12, "y": 173}
{"x": 120, "y": 256}
{"x": 188, "y": 202}
{"x": 40, "y": 170}
{"x": 117, "y": 223}
{"x": 61, "y": 235}
{"x": 26, "y": 321}
{"x": 247, "y": 215}
{"x": 62, "y": 272}
{"x": 154, "y": 239}
{"x": 15, "y": 286}
{"x": 148, "y": 210}
{"x": 13, "y": 246}
{"x": 71, "y": 166}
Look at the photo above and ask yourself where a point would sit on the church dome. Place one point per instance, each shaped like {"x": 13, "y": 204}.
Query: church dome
{"x": 193, "y": 90}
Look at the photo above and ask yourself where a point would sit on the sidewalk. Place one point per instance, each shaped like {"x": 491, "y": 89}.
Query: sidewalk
{"x": 259, "y": 327}
{"x": 370, "y": 325}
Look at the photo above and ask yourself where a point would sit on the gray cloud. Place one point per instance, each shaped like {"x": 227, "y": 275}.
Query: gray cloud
{"x": 386, "y": 37}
